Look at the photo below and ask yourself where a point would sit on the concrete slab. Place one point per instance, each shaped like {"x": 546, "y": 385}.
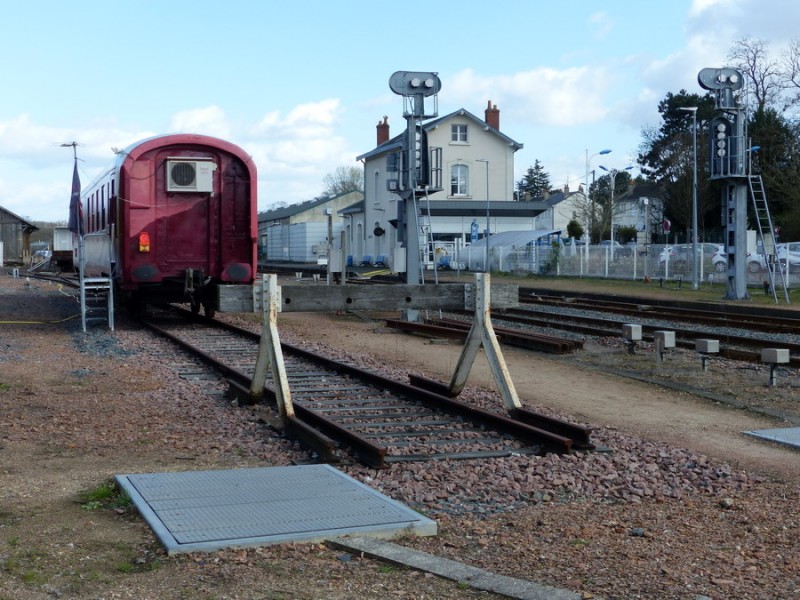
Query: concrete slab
{"x": 789, "y": 436}
{"x": 450, "y": 569}
{"x": 209, "y": 510}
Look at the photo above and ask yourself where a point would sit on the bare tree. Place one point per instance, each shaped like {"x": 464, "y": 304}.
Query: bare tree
{"x": 763, "y": 74}
{"x": 343, "y": 180}
{"x": 790, "y": 61}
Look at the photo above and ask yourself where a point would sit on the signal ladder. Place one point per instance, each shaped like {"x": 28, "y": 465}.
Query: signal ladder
{"x": 97, "y": 300}
{"x": 764, "y": 222}
{"x": 426, "y": 249}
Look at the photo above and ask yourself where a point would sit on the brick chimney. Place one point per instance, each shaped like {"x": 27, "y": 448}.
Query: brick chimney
{"x": 383, "y": 131}
{"x": 492, "y": 116}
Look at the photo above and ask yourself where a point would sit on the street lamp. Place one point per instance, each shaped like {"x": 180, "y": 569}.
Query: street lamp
{"x": 486, "y": 160}
{"x": 588, "y": 195}
{"x": 613, "y": 173}
{"x": 693, "y": 110}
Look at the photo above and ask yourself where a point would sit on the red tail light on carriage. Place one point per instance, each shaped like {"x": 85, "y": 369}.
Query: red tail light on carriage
{"x": 144, "y": 242}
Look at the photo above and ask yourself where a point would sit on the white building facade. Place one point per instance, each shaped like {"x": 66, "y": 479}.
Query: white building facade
{"x": 476, "y": 171}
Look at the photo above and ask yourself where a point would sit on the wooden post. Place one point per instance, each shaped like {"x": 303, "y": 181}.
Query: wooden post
{"x": 270, "y": 354}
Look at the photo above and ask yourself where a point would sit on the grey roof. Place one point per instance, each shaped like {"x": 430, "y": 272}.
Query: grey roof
{"x": 14, "y": 218}
{"x": 295, "y": 209}
{"x": 643, "y": 190}
{"x": 475, "y": 208}
{"x": 396, "y": 142}
{"x": 353, "y": 208}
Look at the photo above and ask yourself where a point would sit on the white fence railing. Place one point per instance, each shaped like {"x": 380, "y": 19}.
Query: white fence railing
{"x": 600, "y": 261}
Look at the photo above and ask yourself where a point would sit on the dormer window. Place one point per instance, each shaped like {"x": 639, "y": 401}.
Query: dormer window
{"x": 458, "y": 134}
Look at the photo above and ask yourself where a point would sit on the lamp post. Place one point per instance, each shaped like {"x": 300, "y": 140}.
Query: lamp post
{"x": 693, "y": 110}
{"x": 613, "y": 173}
{"x": 486, "y": 160}
{"x": 588, "y": 195}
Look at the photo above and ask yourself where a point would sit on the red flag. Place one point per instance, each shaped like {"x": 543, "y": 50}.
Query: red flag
{"x": 75, "y": 209}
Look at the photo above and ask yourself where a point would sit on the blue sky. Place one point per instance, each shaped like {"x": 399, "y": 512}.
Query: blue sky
{"x": 301, "y": 85}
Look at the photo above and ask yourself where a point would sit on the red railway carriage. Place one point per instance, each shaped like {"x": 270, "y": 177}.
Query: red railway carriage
{"x": 181, "y": 213}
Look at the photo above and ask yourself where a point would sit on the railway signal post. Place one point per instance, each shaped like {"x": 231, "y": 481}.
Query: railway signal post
{"x": 729, "y": 162}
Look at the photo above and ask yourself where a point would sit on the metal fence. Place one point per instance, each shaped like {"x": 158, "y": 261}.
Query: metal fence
{"x": 600, "y": 261}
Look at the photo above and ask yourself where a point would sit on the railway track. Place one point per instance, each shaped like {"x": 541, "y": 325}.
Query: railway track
{"x": 341, "y": 408}
{"x": 738, "y": 328}
{"x": 560, "y": 313}
{"x": 690, "y": 323}
{"x": 713, "y": 315}
{"x": 454, "y": 328}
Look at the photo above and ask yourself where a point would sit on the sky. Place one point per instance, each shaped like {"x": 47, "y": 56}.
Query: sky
{"x": 301, "y": 85}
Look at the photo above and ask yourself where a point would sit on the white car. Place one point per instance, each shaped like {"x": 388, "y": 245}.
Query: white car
{"x": 680, "y": 255}
{"x": 755, "y": 261}
{"x": 788, "y": 254}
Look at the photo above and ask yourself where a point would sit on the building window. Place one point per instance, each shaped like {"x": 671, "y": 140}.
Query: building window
{"x": 458, "y": 133}
{"x": 393, "y": 162}
{"x": 459, "y": 176}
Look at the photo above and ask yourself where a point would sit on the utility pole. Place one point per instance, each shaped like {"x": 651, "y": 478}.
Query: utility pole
{"x": 693, "y": 110}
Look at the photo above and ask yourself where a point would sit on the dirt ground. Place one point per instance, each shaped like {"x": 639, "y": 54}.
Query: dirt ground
{"x": 77, "y": 409}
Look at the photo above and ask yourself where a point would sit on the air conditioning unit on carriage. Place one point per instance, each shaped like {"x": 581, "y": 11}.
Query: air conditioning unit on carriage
{"x": 190, "y": 175}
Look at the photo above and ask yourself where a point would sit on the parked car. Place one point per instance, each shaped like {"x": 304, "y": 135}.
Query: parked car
{"x": 788, "y": 254}
{"x": 631, "y": 247}
{"x": 618, "y": 249}
{"x": 755, "y": 261}
{"x": 679, "y": 255}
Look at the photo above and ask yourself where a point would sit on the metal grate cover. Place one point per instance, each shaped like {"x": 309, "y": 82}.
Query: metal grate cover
{"x": 789, "y": 436}
{"x": 209, "y": 510}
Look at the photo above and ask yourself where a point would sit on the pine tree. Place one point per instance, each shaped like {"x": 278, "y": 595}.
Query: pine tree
{"x": 534, "y": 183}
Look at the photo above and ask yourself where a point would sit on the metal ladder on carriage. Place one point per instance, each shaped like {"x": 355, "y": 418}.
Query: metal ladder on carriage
{"x": 95, "y": 279}
{"x": 97, "y": 300}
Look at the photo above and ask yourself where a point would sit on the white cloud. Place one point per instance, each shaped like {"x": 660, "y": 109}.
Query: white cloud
{"x": 304, "y": 120}
{"x": 295, "y": 149}
{"x": 701, "y": 6}
{"x": 19, "y": 137}
{"x": 542, "y": 96}
{"x": 33, "y": 144}
{"x": 210, "y": 120}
